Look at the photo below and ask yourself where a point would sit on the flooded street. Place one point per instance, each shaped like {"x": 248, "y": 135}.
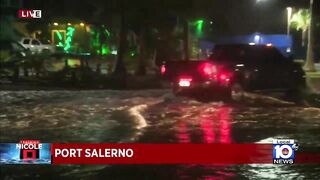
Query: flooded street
{"x": 154, "y": 116}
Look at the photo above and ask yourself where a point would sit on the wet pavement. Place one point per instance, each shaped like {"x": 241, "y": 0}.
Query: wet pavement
{"x": 154, "y": 116}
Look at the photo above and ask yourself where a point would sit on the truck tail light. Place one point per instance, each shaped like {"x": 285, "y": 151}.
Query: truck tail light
{"x": 214, "y": 72}
{"x": 224, "y": 77}
{"x": 163, "y": 69}
{"x": 208, "y": 69}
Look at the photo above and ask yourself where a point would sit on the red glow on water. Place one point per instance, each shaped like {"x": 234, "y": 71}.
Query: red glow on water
{"x": 214, "y": 124}
{"x": 183, "y": 135}
{"x": 225, "y": 128}
{"x": 207, "y": 126}
{"x": 217, "y": 124}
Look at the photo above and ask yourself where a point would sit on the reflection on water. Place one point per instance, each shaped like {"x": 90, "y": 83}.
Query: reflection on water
{"x": 210, "y": 172}
{"x": 269, "y": 171}
{"x": 225, "y": 119}
{"x": 215, "y": 126}
{"x": 183, "y": 135}
{"x": 207, "y": 125}
{"x": 251, "y": 171}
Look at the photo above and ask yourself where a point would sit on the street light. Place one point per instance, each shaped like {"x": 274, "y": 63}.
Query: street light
{"x": 257, "y": 1}
{"x": 257, "y": 39}
{"x": 289, "y": 13}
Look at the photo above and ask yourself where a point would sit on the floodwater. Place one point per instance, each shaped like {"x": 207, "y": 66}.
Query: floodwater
{"x": 154, "y": 116}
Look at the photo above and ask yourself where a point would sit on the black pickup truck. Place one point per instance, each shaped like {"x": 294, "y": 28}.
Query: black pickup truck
{"x": 236, "y": 68}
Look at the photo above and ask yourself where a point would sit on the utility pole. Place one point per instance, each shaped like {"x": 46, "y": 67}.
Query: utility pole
{"x": 186, "y": 39}
{"x": 289, "y": 13}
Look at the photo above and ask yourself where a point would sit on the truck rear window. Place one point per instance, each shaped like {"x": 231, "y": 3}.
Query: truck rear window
{"x": 228, "y": 54}
{"x": 244, "y": 53}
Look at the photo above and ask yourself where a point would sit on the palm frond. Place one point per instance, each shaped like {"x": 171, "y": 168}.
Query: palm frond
{"x": 301, "y": 20}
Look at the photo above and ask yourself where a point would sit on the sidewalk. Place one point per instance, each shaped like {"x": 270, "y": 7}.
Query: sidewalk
{"x": 313, "y": 82}
{"x": 313, "y": 74}
{"x": 313, "y": 79}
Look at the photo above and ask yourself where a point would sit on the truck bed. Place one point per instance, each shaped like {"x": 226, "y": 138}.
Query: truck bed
{"x": 176, "y": 69}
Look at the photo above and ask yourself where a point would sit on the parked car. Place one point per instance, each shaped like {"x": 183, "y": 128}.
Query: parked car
{"x": 12, "y": 50}
{"x": 232, "y": 69}
{"x": 37, "y": 46}
{"x": 12, "y": 54}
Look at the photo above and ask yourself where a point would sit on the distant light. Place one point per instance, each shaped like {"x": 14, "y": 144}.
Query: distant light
{"x": 257, "y": 38}
{"x": 269, "y": 44}
{"x": 56, "y": 24}
{"x": 240, "y": 65}
{"x": 257, "y": 1}
{"x": 200, "y": 21}
{"x": 252, "y": 44}
{"x": 288, "y": 50}
{"x": 81, "y": 24}
{"x": 199, "y": 26}
{"x": 69, "y": 24}
{"x": 211, "y": 22}
{"x": 114, "y": 52}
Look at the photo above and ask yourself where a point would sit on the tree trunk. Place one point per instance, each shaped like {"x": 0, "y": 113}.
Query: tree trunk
{"x": 303, "y": 38}
{"x": 141, "y": 70}
{"x": 309, "y": 66}
{"x": 16, "y": 72}
{"x": 120, "y": 68}
{"x": 66, "y": 64}
{"x": 25, "y": 72}
{"x": 82, "y": 63}
{"x": 186, "y": 40}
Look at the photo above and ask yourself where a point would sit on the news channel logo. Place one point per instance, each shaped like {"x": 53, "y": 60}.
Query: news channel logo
{"x": 283, "y": 151}
{"x": 25, "y": 152}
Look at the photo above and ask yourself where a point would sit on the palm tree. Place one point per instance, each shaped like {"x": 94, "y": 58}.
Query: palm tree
{"x": 309, "y": 66}
{"x": 120, "y": 68}
{"x": 113, "y": 13}
{"x": 302, "y": 20}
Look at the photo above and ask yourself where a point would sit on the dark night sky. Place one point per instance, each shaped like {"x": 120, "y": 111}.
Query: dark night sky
{"x": 229, "y": 16}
